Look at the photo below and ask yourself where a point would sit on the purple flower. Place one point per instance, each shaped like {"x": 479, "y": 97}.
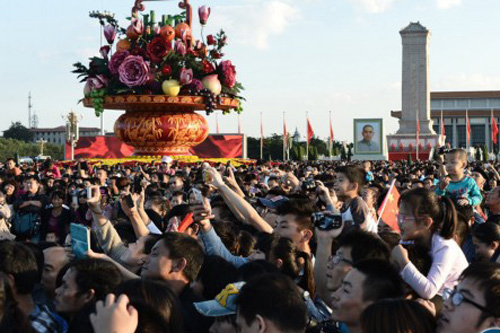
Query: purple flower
{"x": 134, "y": 71}
{"x": 110, "y": 33}
{"x": 97, "y": 82}
{"x": 137, "y": 25}
{"x": 195, "y": 85}
{"x": 186, "y": 76}
{"x": 203, "y": 13}
{"x": 104, "y": 50}
{"x": 116, "y": 61}
{"x": 180, "y": 48}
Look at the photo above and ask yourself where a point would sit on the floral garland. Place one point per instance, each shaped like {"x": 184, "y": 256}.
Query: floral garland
{"x": 159, "y": 57}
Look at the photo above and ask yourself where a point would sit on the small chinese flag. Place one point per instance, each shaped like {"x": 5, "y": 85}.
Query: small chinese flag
{"x": 388, "y": 211}
{"x": 310, "y": 131}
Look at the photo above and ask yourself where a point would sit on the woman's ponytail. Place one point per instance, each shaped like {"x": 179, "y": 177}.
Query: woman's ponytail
{"x": 448, "y": 222}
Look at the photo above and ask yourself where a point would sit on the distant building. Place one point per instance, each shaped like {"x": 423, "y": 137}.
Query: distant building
{"x": 454, "y": 104}
{"x": 57, "y": 135}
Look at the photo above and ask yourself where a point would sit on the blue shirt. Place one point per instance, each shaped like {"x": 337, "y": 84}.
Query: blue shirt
{"x": 463, "y": 189}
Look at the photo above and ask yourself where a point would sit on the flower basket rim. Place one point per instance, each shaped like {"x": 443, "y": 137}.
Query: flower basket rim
{"x": 131, "y": 102}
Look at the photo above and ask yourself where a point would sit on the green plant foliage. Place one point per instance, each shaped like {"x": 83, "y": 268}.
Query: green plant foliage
{"x": 13, "y": 148}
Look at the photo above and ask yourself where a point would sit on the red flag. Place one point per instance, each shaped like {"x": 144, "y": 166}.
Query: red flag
{"x": 468, "y": 127}
{"x": 494, "y": 129}
{"x": 418, "y": 131}
{"x": 331, "y": 130}
{"x": 284, "y": 132}
{"x": 310, "y": 131}
{"x": 388, "y": 211}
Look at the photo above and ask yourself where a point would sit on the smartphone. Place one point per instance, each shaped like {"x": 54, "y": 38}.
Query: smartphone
{"x": 129, "y": 201}
{"x": 80, "y": 240}
{"x": 75, "y": 199}
{"x": 89, "y": 192}
{"x": 197, "y": 195}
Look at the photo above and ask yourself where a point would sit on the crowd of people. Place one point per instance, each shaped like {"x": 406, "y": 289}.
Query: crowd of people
{"x": 264, "y": 247}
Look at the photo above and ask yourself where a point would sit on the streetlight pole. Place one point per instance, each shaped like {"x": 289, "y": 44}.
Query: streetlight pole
{"x": 41, "y": 142}
{"x": 72, "y": 132}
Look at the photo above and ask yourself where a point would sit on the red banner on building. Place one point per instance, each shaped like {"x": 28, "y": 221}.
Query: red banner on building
{"x": 215, "y": 146}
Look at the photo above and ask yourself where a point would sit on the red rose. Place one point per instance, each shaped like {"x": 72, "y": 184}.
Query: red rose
{"x": 207, "y": 67}
{"x": 215, "y": 54}
{"x": 167, "y": 70}
{"x": 228, "y": 73}
{"x": 157, "y": 49}
{"x": 211, "y": 40}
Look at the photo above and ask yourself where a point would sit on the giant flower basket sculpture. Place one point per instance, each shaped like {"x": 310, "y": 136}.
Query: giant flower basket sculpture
{"x": 160, "y": 75}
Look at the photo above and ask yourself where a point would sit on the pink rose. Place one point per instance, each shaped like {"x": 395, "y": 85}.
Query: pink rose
{"x": 97, "y": 82}
{"x": 116, "y": 60}
{"x": 228, "y": 73}
{"x": 186, "y": 76}
{"x": 134, "y": 71}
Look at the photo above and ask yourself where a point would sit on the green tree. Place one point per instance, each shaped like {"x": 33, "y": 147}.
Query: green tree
{"x": 18, "y": 131}
{"x": 11, "y": 148}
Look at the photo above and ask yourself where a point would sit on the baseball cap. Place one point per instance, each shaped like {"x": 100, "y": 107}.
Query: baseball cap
{"x": 274, "y": 202}
{"x": 224, "y": 303}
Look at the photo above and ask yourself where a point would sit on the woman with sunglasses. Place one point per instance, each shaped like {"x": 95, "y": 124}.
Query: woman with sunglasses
{"x": 431, "y": 221}
{"x": 474, "y": 305}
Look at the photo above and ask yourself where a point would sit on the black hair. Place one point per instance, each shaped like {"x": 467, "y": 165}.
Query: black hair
{"x": 255, "y": 268}
{"x": 355, "y": 175}
{"x": 95, "y": 274}
{"x": 441, "y": 210}
{"x": 287, "y": 310}
{"x": 365, "y": 245}
{"x": 301, "y": 209}
{"x": 183, "y": 246}
{"x": 397, "y": 315}
{"x": 487, "y": 233}
{"x": 215, "y": 274}
{"x": 19, "y": 261}
{"x": 487, "y": 278}
{"x": 158, "y": 306}
{"x": 382, "y": 280}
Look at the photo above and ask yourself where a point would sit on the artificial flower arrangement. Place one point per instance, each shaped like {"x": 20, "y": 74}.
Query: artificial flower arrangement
{"x": 155, "y": 58}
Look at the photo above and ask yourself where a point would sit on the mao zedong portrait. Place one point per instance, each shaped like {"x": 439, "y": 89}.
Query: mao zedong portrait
{"x": 367, "y": 144}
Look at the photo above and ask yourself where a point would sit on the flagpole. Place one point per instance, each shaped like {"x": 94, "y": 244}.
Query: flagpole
{"x": 331, "y": 139}
{"x": 442, "y": 128}
{"x": 284, "y": 137}
{"x": 418, "y": 136}
{"x": 307, "y": 135}
{"x": 467, "y": 138}
{"x": 261, "y": 137}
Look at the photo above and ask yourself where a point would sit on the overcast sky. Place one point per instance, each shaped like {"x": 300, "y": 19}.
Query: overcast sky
{"x": 292, "y": 56}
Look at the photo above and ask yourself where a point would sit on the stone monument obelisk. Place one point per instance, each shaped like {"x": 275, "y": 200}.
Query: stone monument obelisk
{"x": 415, "y": 91}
